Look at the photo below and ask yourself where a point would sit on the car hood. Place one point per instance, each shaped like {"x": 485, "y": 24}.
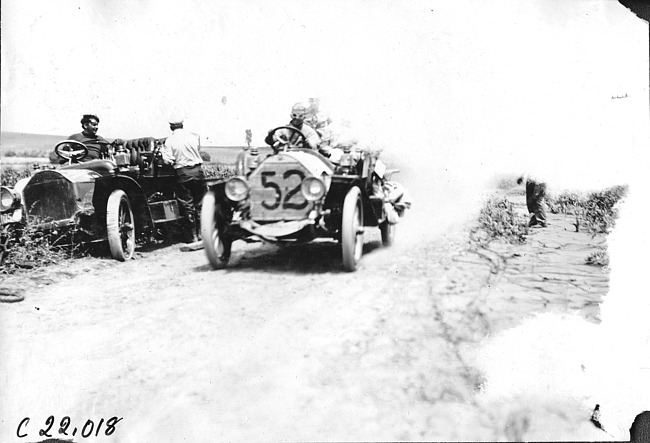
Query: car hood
{"x": 72, "y": 175}
{"x": 311, "y": 162}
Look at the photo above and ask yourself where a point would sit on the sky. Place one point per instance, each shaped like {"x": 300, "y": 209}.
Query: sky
{"x": 489, "y": 81}
{"x": 487, "y": 77}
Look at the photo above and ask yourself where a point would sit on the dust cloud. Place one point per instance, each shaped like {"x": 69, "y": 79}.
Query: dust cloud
{"x": 471, "y": 100}
{"x": 566, "y": 106}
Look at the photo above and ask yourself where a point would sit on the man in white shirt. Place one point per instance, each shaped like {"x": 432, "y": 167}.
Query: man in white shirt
{"x": 181, "y": 150}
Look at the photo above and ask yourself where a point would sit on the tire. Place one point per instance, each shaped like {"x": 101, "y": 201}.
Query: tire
{"x": 216, "y": 247}
{"x": 352, "y": 229}
{"x": 120, "y": 226}
{"x": 10, "y": 295}
{"x": 387, "y": 233}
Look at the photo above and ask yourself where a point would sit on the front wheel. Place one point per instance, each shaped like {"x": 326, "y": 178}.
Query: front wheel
{"x": 352, "y": 229}
{"x": 387, "y": 233}
{"x": 120, "y": 226}
{"x": 216, "y": 246}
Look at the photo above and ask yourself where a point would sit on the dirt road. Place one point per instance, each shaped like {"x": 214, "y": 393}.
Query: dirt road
{"x": 283, "y": 345}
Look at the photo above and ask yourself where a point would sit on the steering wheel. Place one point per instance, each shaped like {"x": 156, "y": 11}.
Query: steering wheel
{"x": 283, "y": 141}
{"x": 71, "y": 150}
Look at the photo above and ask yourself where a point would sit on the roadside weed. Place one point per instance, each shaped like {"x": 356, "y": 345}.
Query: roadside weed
{"x": 498, "y": 219}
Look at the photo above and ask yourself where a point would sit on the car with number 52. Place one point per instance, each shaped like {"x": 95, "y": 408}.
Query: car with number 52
{"x": 294, "y": 195}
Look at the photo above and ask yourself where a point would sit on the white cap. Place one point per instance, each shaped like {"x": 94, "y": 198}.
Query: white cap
{"x": 175, "y": 119}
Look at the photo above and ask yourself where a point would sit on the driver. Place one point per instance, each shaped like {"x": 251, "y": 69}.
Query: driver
{"x": 298, "y": 115}
{"x": 96, "y": 144}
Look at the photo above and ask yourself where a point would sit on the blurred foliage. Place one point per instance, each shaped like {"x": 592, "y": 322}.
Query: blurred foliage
{"x": 498, "y": 219}
{"x": 598, "y": 258}
{"x": 565, "y": 203}
{"x": 597, "y": 211}
{"x": 10, "y": 174}
{"x": 601, "y": 209}
{"x": 33, "y": 153}
{"x": 27, "y": 248}
{"x": 205, "y": 156}
{"x": 218, "y": 170}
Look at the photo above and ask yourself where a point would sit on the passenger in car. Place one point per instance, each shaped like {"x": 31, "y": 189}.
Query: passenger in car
{"x": 335, "y": 138}
{"x": 96, "y": 144}
{"x": 298, "y": 115}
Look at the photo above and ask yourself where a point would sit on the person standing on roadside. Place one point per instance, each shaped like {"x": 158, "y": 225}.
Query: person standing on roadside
{"x": 182, "y": 151}
{"x": 535, "y": 196}
{"x": 96, "y": 144}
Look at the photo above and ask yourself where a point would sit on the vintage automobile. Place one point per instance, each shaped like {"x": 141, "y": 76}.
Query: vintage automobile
{"x": 294, "y": 195}
{"x": 125, "y": 197}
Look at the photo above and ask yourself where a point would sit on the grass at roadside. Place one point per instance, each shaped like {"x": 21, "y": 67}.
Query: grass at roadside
{"x": 594, "y": 212}
{"x": 218, "y": 170}
{"x": 499, "y": 220}
{"x": 10, "y": 174}
{"x": 27, "y": 248}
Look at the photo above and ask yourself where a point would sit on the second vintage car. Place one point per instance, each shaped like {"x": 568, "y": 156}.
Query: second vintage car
{"x": 125, "y": 197}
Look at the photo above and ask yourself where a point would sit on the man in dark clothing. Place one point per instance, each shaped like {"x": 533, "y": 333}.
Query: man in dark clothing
{"x": 182, "y": 151}
{"x": 535, "y": 195}
{"x": 96, "y": 144}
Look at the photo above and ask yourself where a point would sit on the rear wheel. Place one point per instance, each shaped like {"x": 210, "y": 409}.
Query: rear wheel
{"x": 387, "y": 233}
{"x": 216, "y": 246}
{"x": 120, "y": 226}
{"x": 352, "y": 229}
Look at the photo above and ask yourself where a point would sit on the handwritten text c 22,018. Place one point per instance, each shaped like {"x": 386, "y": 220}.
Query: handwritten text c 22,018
{"x": 88, "y": 429}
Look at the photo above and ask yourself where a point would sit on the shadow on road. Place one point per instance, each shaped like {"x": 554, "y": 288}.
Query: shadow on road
{"x": 317, "y": 257}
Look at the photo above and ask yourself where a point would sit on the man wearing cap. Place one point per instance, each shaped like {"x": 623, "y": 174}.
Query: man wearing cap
{"x": 298, "y": 115}
{"x": 181, "y": 150}
{"x": 96, "y": 144}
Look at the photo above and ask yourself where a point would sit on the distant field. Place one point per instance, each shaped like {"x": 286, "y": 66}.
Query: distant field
{"x": 23, "y": 160}
{"x": 18, "y": 141}
{"x": 29, "y": 148}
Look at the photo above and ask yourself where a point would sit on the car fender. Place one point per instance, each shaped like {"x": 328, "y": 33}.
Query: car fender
{"x": 141, "y": 212}
{"x": 219, "y": 189}
{"x": 340, "y": 186}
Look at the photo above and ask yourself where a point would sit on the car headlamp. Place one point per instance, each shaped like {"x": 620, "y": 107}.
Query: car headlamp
{"x": 312, "y": 188}
{"x": 7, "y": 199}
{"x": 236, "y": 189}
